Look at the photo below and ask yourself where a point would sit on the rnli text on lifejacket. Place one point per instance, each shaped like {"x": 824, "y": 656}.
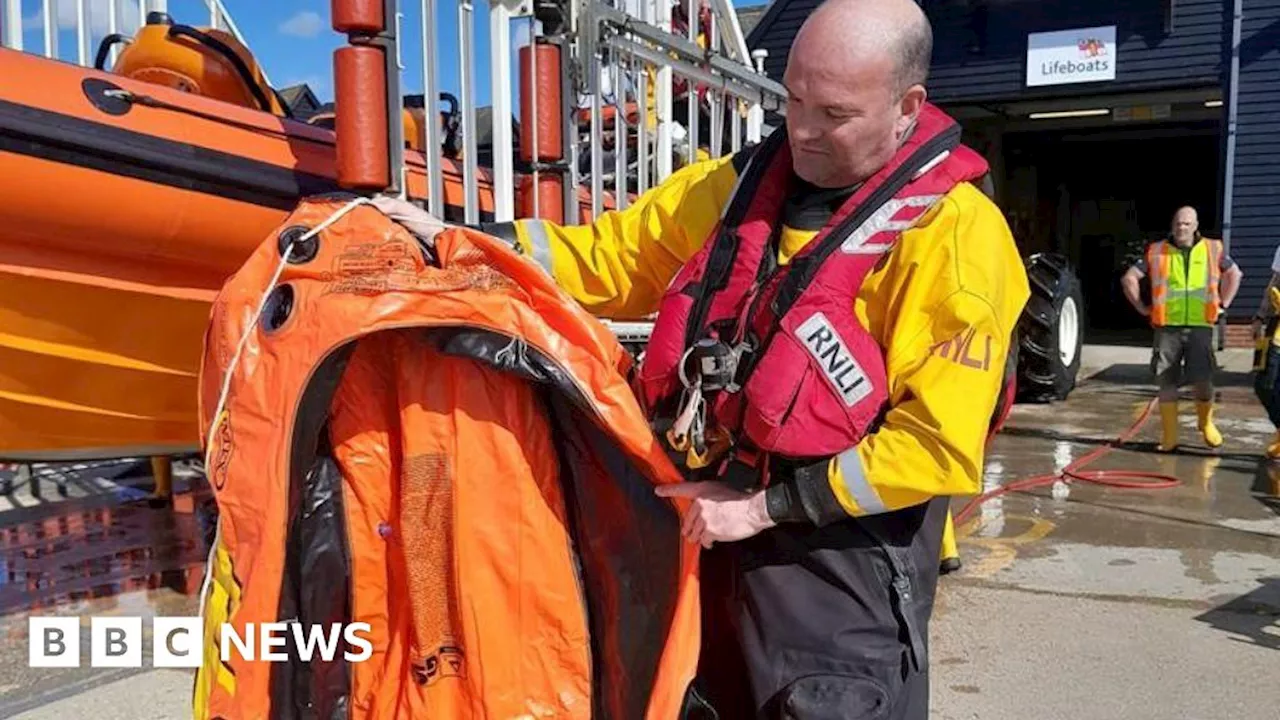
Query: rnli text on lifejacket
{"x": 835, "y": 360}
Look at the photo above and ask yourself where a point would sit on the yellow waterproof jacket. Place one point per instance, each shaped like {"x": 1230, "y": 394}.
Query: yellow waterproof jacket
{"x": 943, "y": 305}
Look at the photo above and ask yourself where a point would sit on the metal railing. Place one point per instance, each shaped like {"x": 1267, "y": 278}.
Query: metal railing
{"x": 611, "y": 53}
{"x": 92, "y": 20}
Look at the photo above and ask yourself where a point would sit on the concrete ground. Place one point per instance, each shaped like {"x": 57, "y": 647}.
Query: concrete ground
{"x": 1102, "y": 603}
{"x": 1118, "y": 603}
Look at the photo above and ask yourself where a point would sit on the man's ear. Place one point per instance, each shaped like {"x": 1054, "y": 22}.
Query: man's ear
{"x": 909, "y": 108}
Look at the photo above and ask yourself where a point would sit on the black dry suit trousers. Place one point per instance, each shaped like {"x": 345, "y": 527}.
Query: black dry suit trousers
{"x": 822, "y": 623}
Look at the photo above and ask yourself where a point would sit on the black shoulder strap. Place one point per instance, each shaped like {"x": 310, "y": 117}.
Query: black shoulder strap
{"x": 743, "y": 157}
{"x": 754, "y": 164}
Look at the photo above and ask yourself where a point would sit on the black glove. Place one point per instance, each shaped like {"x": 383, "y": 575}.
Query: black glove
{"x": 803, "y": 495}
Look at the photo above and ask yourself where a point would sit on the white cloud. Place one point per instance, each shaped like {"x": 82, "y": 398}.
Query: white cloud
{"x": 305, "y": 24}
{"x": 99, "y": 12}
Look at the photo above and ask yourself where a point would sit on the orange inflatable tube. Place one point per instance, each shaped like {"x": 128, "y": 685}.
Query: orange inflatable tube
{"x": 441, "y": 445}
{"x": 119, "y": 221}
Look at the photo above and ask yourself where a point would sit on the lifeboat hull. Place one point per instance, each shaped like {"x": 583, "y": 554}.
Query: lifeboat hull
{"x": 124, "y": 207}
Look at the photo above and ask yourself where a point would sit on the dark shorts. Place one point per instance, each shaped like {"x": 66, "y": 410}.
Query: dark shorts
{"x": 1182, "y": 355}
{"x": 828, "y": 624}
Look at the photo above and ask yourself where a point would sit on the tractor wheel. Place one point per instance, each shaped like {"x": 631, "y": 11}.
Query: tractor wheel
{"x": 1049, "y": 332}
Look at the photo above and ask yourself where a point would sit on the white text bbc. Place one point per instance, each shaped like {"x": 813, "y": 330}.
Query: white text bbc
{"x": 177, "y": 642}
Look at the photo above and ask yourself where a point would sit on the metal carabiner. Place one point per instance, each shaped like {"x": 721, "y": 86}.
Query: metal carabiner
{"x": 692, "y": 406}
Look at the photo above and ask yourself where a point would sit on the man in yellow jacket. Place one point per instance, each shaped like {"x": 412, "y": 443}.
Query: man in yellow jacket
{"x": 818, "y": 589}
{"x": 1193, "y": 281}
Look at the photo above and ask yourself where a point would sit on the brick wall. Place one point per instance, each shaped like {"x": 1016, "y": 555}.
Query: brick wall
{"x": 1239, "y": 335}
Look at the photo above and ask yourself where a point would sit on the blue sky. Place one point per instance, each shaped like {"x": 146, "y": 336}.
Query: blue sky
{"x": 293, "y": 40}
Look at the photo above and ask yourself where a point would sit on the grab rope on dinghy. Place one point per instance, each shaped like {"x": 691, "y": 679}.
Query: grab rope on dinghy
{"x": 219, "y": 410}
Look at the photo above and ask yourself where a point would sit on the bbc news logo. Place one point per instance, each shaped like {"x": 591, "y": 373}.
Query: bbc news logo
{"x": 178, "y": 642}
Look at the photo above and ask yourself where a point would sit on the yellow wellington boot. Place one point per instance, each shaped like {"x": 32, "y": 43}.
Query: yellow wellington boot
{"x": 1168, "y": 426}
{"x": 1273, "y": 450}
{"x": 1204, "y": 411}
{"x": 950, "y": 552}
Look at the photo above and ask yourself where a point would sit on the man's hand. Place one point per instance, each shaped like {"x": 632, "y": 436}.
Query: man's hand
{"x": 718, "y": 512}
{"x": 421, "y": 223}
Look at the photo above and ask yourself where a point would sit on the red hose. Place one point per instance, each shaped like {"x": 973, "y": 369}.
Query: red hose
{"x": 1154, "y": 481}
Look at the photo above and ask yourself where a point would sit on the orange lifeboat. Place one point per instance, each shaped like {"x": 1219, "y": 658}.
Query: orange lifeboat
{"x": 127, "y": 198}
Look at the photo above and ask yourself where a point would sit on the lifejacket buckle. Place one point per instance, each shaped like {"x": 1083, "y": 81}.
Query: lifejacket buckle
{"x": 711, "y": 363}
{"x": 742, "y": 354}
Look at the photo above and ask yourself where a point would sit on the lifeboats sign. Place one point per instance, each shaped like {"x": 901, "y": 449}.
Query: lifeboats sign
{"x": 1063, "y": 57}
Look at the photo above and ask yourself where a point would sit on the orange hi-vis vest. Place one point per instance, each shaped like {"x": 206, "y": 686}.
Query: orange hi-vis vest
{"x": 1184, "y": 285}
{"x": 442, "y": 445}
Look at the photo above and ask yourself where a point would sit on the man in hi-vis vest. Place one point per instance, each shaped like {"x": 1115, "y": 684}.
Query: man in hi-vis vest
{"x": 1193, "y": 280}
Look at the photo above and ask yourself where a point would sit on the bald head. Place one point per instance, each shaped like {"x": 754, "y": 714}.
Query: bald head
{"x": 855, "y": 84}
{"x": 1185, "y": 224}
{"x": 852, "y": 31}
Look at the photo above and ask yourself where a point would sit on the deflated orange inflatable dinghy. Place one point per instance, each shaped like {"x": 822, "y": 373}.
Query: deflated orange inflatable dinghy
{"x": 443, "y": 445}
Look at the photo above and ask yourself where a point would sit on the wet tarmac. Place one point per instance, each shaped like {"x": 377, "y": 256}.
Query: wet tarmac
{"x": 1097, "y": 602}
{"x": 85, "y": 540}
{"x": 1227, "y": 502}
{"x": 1110, "y": 602}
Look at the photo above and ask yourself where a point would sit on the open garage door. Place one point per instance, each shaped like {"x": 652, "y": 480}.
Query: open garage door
{"x": 1098, "y": 196}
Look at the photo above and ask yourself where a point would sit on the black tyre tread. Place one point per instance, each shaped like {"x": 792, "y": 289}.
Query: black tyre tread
{"x": 1041, "y": 374}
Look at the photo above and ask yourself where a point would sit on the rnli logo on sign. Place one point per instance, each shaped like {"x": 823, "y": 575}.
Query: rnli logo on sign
{"x": 1091, "y": 47}
{"x": 834, "y": 359}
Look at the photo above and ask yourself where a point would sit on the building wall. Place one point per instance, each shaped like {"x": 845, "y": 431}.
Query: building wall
{"x": 1255, "y": 206}
{"x": 980, "y": 55}
{"x": 980, "y": 46}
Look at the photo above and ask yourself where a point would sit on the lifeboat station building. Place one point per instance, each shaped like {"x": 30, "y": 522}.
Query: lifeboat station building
{"x": 1100, "y": 118}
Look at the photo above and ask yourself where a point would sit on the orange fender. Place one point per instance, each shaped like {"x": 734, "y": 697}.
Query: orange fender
{"x": 447, "y": 451}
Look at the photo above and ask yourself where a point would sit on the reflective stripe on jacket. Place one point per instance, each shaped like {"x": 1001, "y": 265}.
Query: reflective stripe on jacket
{"x": 943, "y": 304}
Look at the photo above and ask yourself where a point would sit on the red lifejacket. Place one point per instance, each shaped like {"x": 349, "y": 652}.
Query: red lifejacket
{"x": 808, "y": 380}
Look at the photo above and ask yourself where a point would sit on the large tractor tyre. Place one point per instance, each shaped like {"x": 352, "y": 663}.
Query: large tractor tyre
{"x": 1049, "y": 332}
